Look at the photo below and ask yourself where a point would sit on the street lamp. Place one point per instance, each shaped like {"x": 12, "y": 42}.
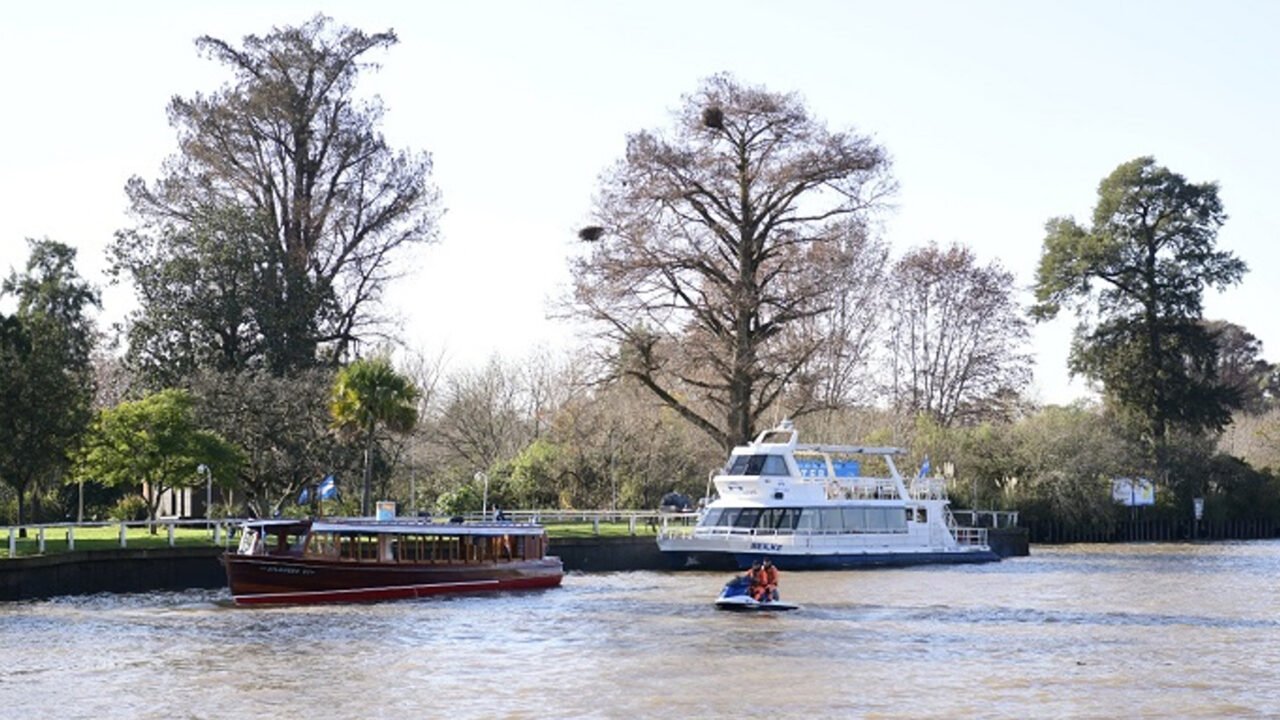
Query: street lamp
{"x": 208, "y": 489}
{"x": 482, "y": 476}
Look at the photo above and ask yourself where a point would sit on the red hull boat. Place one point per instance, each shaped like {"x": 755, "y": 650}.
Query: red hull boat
{"x": 362, "y": 560}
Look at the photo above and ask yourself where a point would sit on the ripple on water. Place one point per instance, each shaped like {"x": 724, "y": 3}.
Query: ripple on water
{"x": 1094, "y": 631}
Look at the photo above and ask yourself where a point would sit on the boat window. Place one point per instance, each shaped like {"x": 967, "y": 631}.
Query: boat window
{"x": 758, "y": 465}
{"x": 877, "y": 519}
{"x": 855, "y": 518}
{"x": 747, "y": 518}
{"x": 322, "y": 544}
{"x": 807, "y": 520}
{"x": 249, "y": 541}
{"x": 788, "y": 518}
{"x": 728, "y": 518}
{"x": 831, "y": 521}
{"x": 779, "y": 518}
{"x": 711, "y": 518}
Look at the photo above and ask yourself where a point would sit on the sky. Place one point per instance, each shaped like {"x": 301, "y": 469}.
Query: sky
{"x": 998, "y": 117}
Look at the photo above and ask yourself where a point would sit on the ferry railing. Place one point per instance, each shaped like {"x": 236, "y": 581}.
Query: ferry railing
{"x": 970, "y": 536}
{"x": 988, "y": 518}
{"x": 842, "y": 488}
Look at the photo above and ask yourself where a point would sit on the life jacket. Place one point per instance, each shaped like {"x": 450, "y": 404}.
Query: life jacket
{"x": 770, "y": 578}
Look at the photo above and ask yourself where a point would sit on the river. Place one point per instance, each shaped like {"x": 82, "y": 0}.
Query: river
{"x": 1093, "y": 631}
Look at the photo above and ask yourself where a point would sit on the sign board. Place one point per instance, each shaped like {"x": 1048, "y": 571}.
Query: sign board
{"x": 1132, "y": 492}
{"x": 386, "y": 510}
{"x": 1199, "y": 506}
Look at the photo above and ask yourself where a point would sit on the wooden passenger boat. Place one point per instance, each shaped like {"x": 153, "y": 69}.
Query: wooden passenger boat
{"x": 360, "y": 560}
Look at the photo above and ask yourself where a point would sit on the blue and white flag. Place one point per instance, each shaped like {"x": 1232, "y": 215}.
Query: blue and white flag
{"x": 329, "y": 488}
{"x": 924, "y": 468}
{"x": 326, "y": 490}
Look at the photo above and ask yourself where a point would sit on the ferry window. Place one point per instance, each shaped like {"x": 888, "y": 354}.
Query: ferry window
{"x": 728, "y": 518}
{"x": 894, "y": 521}
{"x": 788, "y": 518}
{"x": 747, "y": 518}
{"x": 769, "y": 518}
{"x": 831, "y": 521}
{"x": 758, "y": 465}
{"x": 808, "y": 519}
{"x": 855, "y": 518}
{"x": 712, "y": 518}
{"x": 877, "y": 519}
{"x": 775, "y": 465}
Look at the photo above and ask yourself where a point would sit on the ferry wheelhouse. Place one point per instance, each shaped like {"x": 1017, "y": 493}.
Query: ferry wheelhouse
{"x": 357, "y": 560}
{"x": 814, "y": 507}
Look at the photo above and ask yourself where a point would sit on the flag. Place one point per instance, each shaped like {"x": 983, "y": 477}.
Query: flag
{"x": 924, "y": 468}
{"x": 329, "y": 488}
{"x": 326, "y": 490}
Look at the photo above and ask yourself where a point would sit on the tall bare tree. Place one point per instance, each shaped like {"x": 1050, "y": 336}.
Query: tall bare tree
{"x": 959, "y": 337}
{"x": 270, "y": 236}
{"x": 713, "y": 243}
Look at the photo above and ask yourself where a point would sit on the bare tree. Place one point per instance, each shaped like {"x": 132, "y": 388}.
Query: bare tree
{"x": 713, "y": 246}
{"x": 271, "y": 235}
{"x": 959, "y": 337}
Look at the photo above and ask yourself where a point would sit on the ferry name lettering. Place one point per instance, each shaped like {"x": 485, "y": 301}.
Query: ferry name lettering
{"x": 290, "y": 570}
{"x": 766, "y": 546}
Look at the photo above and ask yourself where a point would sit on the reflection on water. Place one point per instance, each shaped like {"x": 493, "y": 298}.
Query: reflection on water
{"x": 1158, "y": 630}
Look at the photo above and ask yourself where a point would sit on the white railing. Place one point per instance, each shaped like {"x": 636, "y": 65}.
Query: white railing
{"x": 223, "y": 529}
{"x": 220, "y": 530}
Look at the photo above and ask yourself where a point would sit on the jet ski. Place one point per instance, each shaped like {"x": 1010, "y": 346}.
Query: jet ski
{"x": 736, "y": 596}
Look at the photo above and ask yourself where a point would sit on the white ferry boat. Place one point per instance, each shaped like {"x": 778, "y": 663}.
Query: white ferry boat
{"x": 812, "y": 507}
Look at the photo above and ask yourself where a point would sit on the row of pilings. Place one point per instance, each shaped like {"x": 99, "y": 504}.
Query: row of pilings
{"x": 1166, "y": 530}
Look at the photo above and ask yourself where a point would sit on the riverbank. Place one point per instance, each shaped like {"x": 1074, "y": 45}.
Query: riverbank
{"x": 86, "y": 572}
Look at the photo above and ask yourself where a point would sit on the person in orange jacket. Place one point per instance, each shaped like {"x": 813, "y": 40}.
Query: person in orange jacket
{"x": 770, "y": 576}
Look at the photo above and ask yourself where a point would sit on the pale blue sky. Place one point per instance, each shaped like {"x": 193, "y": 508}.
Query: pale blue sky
{"x": 998, "y": 115}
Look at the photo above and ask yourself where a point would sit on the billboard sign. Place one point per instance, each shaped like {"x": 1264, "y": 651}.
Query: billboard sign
{"x": 1132, "y": 492}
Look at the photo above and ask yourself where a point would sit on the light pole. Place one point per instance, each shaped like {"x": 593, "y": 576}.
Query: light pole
{"x": 208, "y": 490}
{"x": 484, "y": 499}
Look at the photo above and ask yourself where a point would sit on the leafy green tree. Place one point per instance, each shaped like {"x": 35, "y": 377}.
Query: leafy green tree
{"x": 155, "y": 444}
{"x": 368, "y": 395}
{"x": 716, "y": 245}
{"x": 1143, "y": 266}
{"x": 272, "y": 234}
{"x": 46, "y": 375}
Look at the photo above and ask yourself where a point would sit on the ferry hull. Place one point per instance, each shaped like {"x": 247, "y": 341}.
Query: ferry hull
{"x": 710, "y": 560}
{"x": 272, "y": 580}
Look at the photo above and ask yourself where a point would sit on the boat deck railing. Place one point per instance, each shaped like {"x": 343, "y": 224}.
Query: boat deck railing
{"x": 867, "y": 488}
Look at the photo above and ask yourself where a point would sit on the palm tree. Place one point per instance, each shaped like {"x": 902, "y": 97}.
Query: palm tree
{"x": 368, "y": 394}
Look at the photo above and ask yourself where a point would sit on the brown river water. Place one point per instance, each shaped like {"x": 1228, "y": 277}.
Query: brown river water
{"x": 1090, "y": 631}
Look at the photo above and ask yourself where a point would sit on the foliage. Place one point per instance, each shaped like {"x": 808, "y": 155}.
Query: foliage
{"x": 273, "y": 232}
{"x": 367, "y": 395}
{"x": 281, "y": 424}
{"x": 130, "y": 508}
{"x": 959, "y": 338}
{"x": 46, "y": 380}
{"x": 716, "y": 247}
{"x": 1145, "y": 262}
{"x": 1241, "y": 367}
{"x": 154, "y": 443}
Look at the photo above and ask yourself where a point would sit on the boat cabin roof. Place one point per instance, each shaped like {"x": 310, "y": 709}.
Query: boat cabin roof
{"x": 783, "y": 438}
{"x": 403, "y": 526}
